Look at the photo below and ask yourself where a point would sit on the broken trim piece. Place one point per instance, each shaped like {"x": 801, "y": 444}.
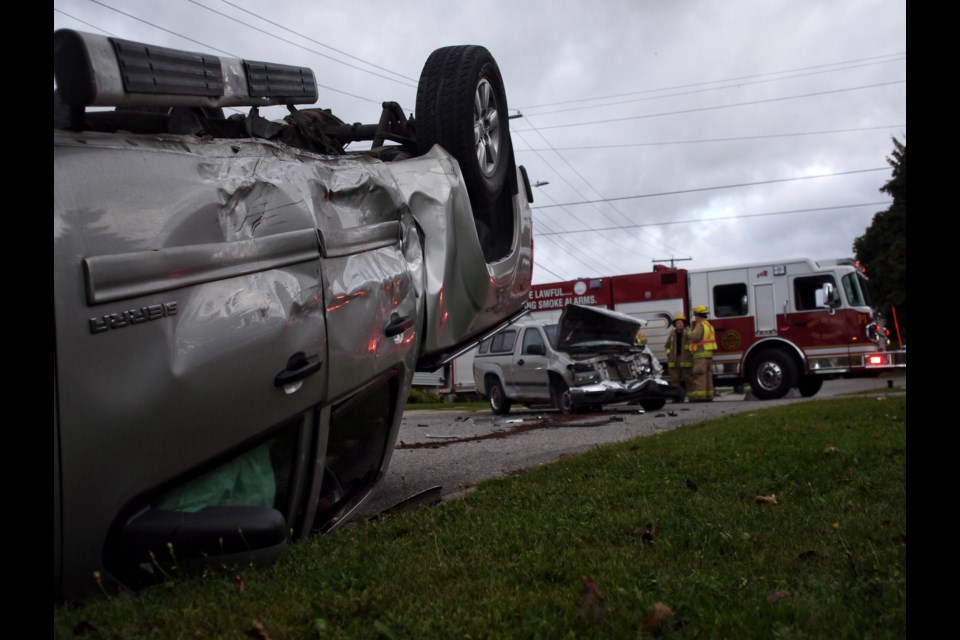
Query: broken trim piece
{"x": 140, "y": 273}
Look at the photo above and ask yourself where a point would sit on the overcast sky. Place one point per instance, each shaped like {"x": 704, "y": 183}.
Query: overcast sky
{"x": 745, "y": 107}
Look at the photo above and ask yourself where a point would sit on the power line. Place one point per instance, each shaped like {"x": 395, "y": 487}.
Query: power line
{"x": 572, "y": 250}
{"x": 537, "y": 265}
{"x": 700, "y": 84}
{"x": 722, "y": 106}
{"x": 737, "y": 217}
{"x": 209, "y": 46}
{"x": 92, "y": 26}
{"x": 156, "y": 26}
{"x": 696, "y": 91}
{"x": 273, "y": 35}
{"x": 706, "y": 140}
{"x": 587, "y": 182}
{"x": 344, "y": 53}
{"x": 726, "y": 186}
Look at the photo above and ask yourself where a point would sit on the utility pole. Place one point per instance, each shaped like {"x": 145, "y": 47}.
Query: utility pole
{"x": 672, "y": 260}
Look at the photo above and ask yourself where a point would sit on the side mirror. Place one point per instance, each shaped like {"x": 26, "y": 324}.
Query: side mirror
{"x": 828, "y": 296}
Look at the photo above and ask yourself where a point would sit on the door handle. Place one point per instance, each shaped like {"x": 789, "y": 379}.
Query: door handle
{"x": 398, "y": 324}
{"x": 520, "y": 362}
{"x": 299, "y": 366}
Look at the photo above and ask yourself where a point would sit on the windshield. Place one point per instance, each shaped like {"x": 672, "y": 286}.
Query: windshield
{"x": 856, "y": 290}
{"x": 551, "y": 330}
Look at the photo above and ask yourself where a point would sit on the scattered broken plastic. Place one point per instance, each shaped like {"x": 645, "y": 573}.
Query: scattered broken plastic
{"x": 502, "y": 420}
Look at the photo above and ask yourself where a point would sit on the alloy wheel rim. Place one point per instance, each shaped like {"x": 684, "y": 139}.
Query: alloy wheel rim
{"x": 486, "y": 127}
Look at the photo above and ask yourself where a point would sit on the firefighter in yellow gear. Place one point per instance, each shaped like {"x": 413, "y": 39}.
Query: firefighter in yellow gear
{"x": 701, "y": 343}
{"x": 679, "y": 357}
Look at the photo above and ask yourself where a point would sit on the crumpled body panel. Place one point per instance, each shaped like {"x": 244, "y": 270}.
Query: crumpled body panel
{"x": 189, "y": 274}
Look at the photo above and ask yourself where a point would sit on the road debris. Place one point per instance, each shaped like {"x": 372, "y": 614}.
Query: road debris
{"x": 427, "y": 496}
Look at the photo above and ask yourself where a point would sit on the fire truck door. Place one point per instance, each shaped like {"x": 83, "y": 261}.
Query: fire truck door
{"x": 765, "y": 318}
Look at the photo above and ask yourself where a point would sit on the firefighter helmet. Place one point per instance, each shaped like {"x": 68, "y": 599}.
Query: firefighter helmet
{"x": 679, "y": 316}
{"x": 700, "y": 310}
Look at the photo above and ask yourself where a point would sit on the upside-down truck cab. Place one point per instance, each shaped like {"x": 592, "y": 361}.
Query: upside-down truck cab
{"x": 240, "y": 305}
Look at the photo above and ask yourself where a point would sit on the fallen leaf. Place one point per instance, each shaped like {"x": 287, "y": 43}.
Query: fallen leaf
{"x": 777, "y": 595}
{"x": 657, "y": 615}
{"x": 691, "y": 485}
{"x": 592, "y": 602}
{"x": 836, "y": 526}
{"x": 83, "y": 627}
{"x": 237, "y": 580}
{"x": 469, "y": 508}
{"x": 258, "y": 631}
{"x": 771, "y": 499}
{"x": 649, "y": 532}
{"x": 830, "y": 449}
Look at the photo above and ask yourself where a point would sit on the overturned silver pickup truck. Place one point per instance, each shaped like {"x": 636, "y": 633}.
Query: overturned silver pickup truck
{"x": 589, "y": 359}
{"x": 240, "y": 304}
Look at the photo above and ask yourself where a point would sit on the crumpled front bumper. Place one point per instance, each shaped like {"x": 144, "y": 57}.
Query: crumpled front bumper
{"x": 609, "y": 392}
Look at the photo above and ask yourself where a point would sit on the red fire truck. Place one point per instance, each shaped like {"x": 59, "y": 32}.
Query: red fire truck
{"x": 780, "y": 325}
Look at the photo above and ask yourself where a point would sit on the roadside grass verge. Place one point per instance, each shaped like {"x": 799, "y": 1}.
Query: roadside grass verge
{"x": 671, "y": 518}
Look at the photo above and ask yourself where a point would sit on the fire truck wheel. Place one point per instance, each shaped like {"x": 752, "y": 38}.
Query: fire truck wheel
{"x": 772, "y": 375}
{"x": 499, "y": 403}
{"x": 809, "y": 385}
{"x": 462, "y": 106}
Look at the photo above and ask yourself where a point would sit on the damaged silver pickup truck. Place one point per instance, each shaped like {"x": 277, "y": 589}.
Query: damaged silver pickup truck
{"x": 588, "y": 359}
{"x": 240, "y": 304}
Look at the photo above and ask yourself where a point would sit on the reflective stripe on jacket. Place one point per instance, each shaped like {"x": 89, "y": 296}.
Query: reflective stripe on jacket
{"x": 702, "y": 341}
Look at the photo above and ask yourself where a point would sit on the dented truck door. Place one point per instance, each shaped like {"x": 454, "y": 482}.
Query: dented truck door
{"x": 202, "y": 316}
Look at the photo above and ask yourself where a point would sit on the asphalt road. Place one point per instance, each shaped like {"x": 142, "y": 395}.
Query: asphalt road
{"x": 457, "y": 449}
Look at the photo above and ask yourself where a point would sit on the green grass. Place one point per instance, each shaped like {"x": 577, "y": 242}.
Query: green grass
{"x": 508, "y": 560}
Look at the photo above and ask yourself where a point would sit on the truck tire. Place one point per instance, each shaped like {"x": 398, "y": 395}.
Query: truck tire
{"x": 561, "y": 398}
{"x": 654, "y": 404}
{"x": 462, "y": 106}
{"x": 499, "y": 403}
{"x": 808, "y": 386}
{"x": 772, "y": 374}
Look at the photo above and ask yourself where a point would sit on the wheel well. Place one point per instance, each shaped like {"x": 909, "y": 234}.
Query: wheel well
{"x": 789, "y": 350}
{"x": 555, "y": 378}
{"x": 489, "y": 380}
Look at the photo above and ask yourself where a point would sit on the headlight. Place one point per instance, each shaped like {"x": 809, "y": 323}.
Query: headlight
{"x": 584, "y": 373}
{"x": 586, "y": 377}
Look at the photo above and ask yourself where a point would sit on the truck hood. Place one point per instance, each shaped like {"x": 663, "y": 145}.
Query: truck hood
{"x": 593, "y": 329}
